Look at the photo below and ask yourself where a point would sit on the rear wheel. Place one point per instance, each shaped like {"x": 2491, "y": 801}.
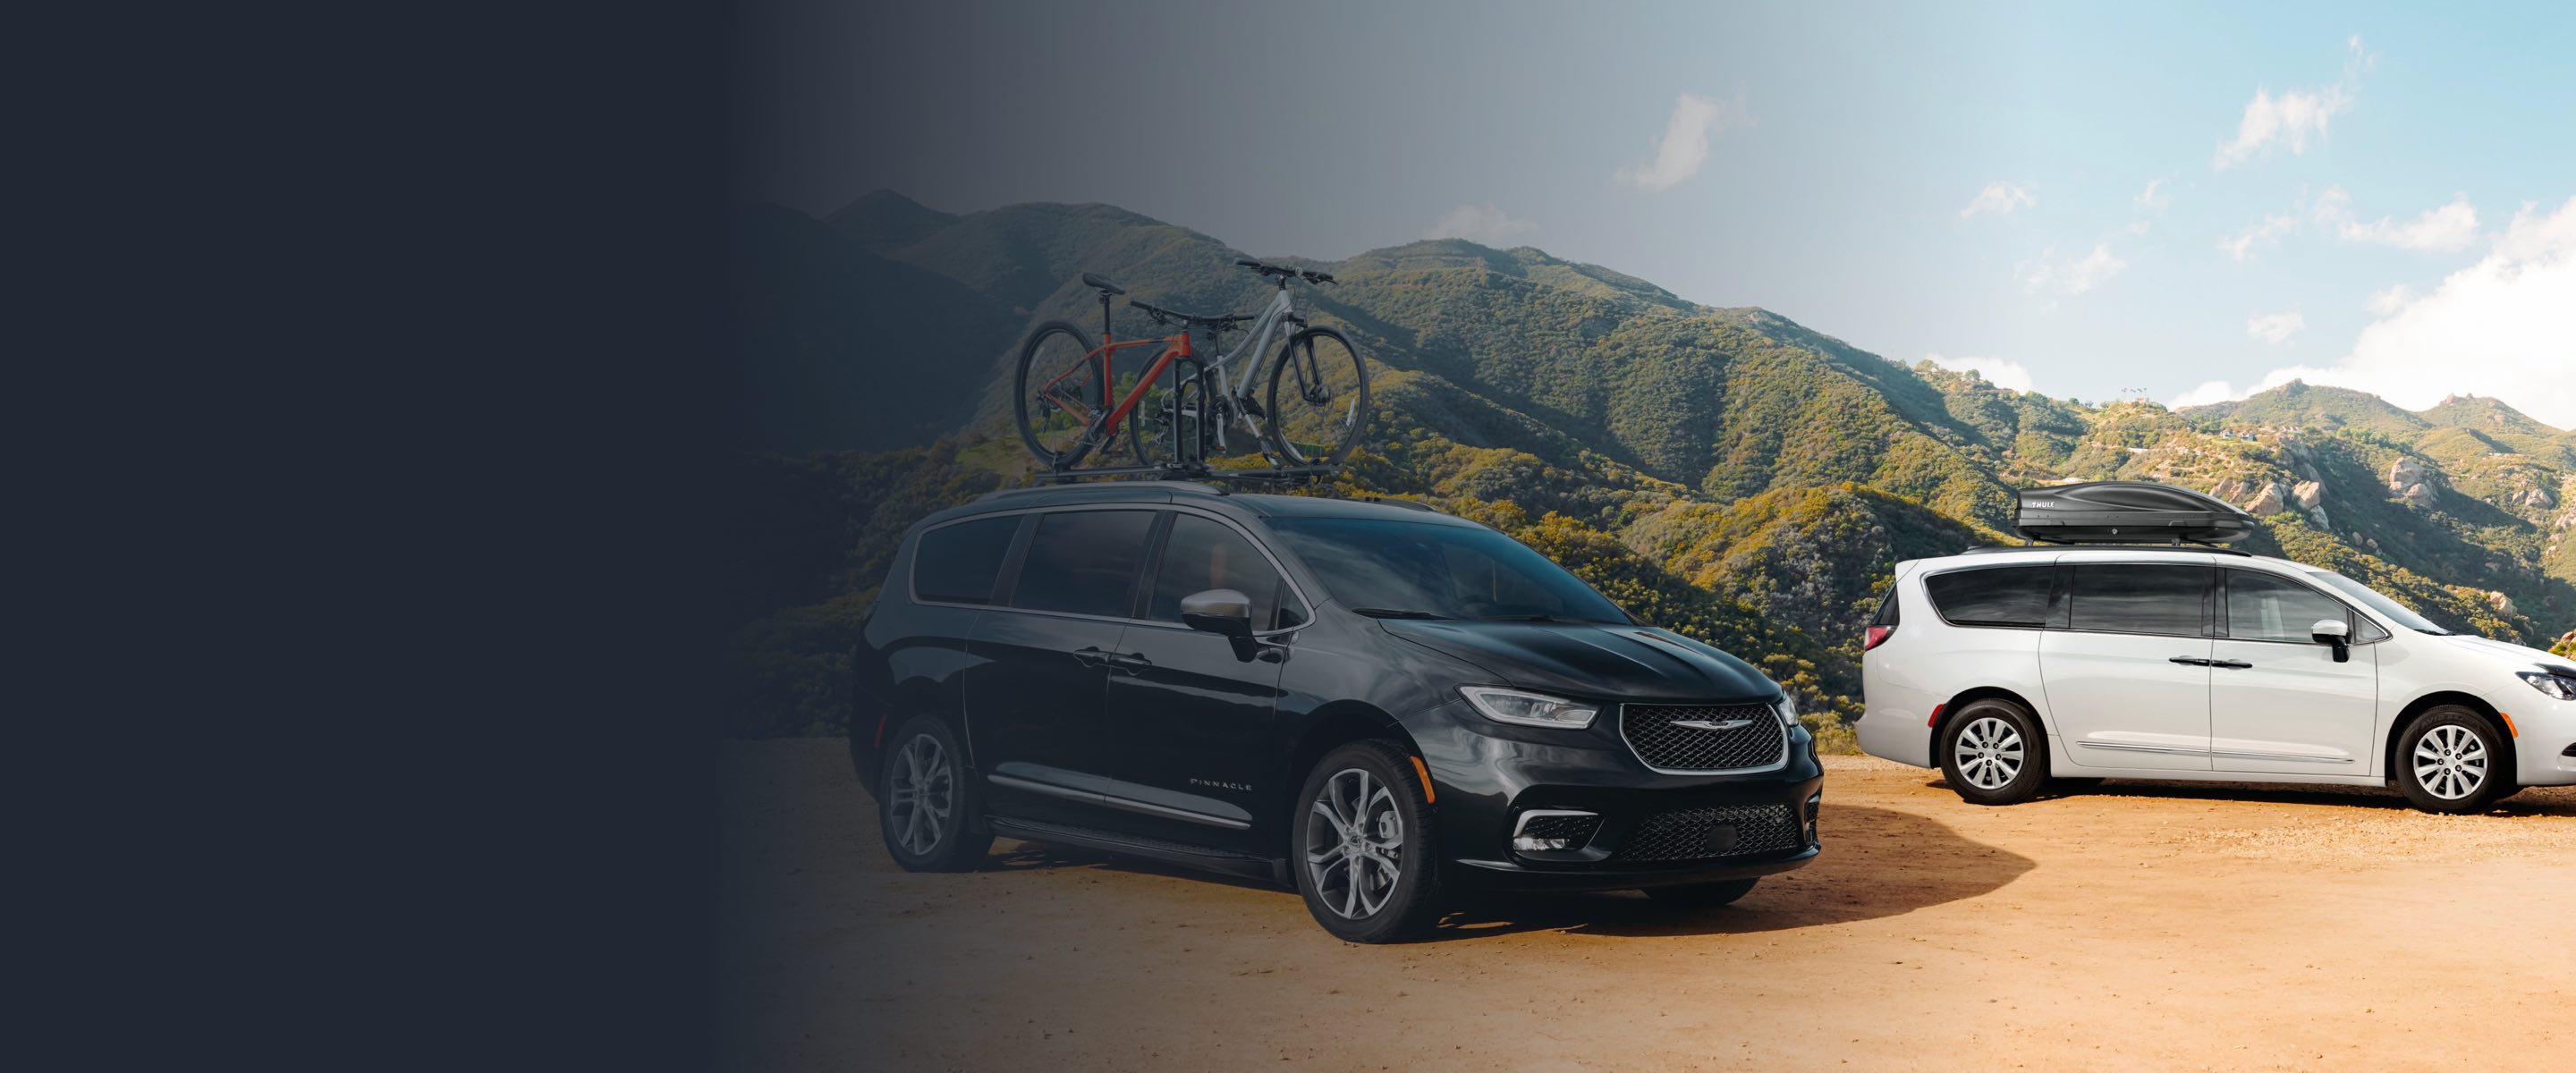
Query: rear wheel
{"x": 1062, "y": 385}
{"x": 1993, "y": 753}
{"x": 1318, "y": 398}
{"x": 1367, "y": 859}
{"x": 2450, "y": 759}
{"x": 927, "y": 810}
{"x": 1698, "y": 896}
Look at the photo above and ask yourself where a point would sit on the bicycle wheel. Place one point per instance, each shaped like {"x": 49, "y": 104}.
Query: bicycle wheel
{"x": 1060, "y": 388}
{"x": 1167, "y": 425}
{"x": 1318, "y": 399}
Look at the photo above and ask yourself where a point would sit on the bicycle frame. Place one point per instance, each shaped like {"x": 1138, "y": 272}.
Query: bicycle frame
{"x": 1100, "y": 429}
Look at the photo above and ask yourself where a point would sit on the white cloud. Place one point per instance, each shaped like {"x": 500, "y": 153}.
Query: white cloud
{"x": 1999, "y": 197}
{"x": 2390, "y": 299}
{"x": 2443, "y": 229}
{"x": 2071, "y": 277}
{"x": 2266, "y": 233}
{"x": 1479, "y": 223}
{"x": 2504, "y": 327}
{"x": 2212, "y": 391}
{"x": 2138, "y": 227}
{"x": 2276, "y": 327}
{"x": 1684, "y": 148}
{"x": 2001, "y": 372}
{"x": 2296, "y": 116}
{"x": 2153, "y": 200}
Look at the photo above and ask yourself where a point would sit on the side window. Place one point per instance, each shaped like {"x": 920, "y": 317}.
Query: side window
{"x": 1996, "y": 596}
{"x": 2141, "y": 598}
{"x": 958, "y": 563}
{"x": 2261, "y": 607}
{"x": 1200, "y": 555}
{"x": 1888, "y": 612}
{"x": 1083, "y": 562}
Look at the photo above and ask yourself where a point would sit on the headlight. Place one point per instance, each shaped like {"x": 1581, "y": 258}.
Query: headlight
{"x": 2557, "y": 686}
{"x": 1788, "y": 709}
{"x": 1529, "y": 709}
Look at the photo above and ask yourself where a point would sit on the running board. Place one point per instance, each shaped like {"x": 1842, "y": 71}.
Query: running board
{"x": 1266, "y": 869}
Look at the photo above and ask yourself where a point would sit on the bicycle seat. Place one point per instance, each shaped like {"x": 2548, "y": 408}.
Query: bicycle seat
{"x": 1160, "y": 314}
{"x": 1102, "y": 285}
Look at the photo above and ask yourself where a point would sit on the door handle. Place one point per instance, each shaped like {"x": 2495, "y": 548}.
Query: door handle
{"x": 1094, "y": 657}
{"x": 1130, "y": 662}
{"x": 2232, "y": 664}
{"x": 2188, "y": 661}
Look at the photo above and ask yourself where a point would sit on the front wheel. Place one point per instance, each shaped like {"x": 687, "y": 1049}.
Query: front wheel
{"x": 1367, "y": 859}
{"x": 2450, "y": 759}
{"x": 1318, "y": 398}
{"x": 1062, "y": 385}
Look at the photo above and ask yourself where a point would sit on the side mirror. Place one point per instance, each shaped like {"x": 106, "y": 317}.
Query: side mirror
{"x": 1219, "y": 611}
{"x": 2336, "y": 632}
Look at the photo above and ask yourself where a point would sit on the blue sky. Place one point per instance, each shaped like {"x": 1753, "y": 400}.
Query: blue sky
{"x": 2377, "y": 195}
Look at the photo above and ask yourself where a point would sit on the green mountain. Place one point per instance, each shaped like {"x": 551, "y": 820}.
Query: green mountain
{"x": 1727, "y": 472}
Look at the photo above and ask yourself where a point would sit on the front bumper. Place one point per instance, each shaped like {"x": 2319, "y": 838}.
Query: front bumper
{"x": 1646, "y": 829}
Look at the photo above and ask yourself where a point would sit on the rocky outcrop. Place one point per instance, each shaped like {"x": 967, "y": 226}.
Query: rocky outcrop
{"x": 2408, "y": 480}
{"x": 2310, "y": 494}
{"x": 2502, "y": 603}
{"x": 2268, "y": 501}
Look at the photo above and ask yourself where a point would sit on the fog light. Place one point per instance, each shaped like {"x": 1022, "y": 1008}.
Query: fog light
{"x": 1554, "y": 830}
{"x": 1815, "y": 809}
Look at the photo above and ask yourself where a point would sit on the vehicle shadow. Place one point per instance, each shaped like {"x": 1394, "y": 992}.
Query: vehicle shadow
{"x": 1876, "y": 863}
{"x": 2535, "y": 801}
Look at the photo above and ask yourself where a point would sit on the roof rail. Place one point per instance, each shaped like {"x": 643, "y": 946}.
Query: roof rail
{"x": 1108, "y": 486}
{"x": 2205, "y": 549}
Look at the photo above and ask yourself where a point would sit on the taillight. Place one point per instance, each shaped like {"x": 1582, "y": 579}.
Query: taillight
{"x": 1878, "y": 635}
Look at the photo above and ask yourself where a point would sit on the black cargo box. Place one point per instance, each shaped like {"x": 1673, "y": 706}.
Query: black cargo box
{"x": 2128, "y": 512}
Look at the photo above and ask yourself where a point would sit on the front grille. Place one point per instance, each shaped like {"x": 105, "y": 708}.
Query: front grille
{"x": 1684, "y": 835}
{"x": 1575, "y": 829}
{"x": 1654, "y": 732}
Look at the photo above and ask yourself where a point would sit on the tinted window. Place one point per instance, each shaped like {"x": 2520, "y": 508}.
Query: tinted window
{"x": 2261, "y": 607}
{"x": 1200, "y": 555}
{"x": 957, "y": 563}
{"x": 2372, "y": 599}
{"x": 2002, "y": 596}
{"x": 1083, "y": 561}
{"x": 1449, "y": 571}
{"x": 2140, "y": 599}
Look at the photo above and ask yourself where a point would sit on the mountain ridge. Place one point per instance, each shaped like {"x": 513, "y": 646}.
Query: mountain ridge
{"x": 1753, "y": 477}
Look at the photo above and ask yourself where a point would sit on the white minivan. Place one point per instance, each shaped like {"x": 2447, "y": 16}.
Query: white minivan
{"x": 2008, "y": 668}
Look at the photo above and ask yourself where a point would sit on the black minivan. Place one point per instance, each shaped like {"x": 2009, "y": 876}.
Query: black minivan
{"x": 1369, "y": 700}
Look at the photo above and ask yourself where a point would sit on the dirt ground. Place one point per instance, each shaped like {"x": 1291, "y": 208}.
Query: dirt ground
{"x": 2142, "y": 926}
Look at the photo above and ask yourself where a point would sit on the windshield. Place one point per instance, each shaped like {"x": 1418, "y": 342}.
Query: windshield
{"x": 1399, "y": 569}
{"x": 2370, "y": 598}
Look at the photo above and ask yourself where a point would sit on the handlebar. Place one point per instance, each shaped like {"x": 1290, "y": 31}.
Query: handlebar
{"x": 1284, "y": 274}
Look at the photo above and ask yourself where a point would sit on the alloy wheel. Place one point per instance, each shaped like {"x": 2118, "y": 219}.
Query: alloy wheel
{"x": 921, "y": 796}
{"x": 1989, "y": 752}
{"x": 2450, "y": 762}
{"x": 1355, "y": 844}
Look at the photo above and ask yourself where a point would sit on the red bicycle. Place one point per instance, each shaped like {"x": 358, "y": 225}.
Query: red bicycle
{"x": 1180, "y": 411}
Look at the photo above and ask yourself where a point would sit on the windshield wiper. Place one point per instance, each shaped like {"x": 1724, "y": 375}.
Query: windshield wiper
{"x": 1521, "y": 618}
{"x": 2436, "y": 633}
{"x": 1396, "y": 612}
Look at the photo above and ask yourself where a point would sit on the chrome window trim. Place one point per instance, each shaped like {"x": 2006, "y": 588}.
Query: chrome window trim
{"x": 1785, "y": 735}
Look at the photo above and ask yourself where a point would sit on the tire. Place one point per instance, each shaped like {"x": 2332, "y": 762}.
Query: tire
{"x": 1395, "y": 825}
{"x": 1325, "y": 411}
{"x": 2450, "y": 759}
{"x": 2007, "y": 761}
{"x": 1054, "y": 434}
{"x": 1162, "y": 428}
{"x": 927, "y": 809}
{"x": 1702, "y": 896}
